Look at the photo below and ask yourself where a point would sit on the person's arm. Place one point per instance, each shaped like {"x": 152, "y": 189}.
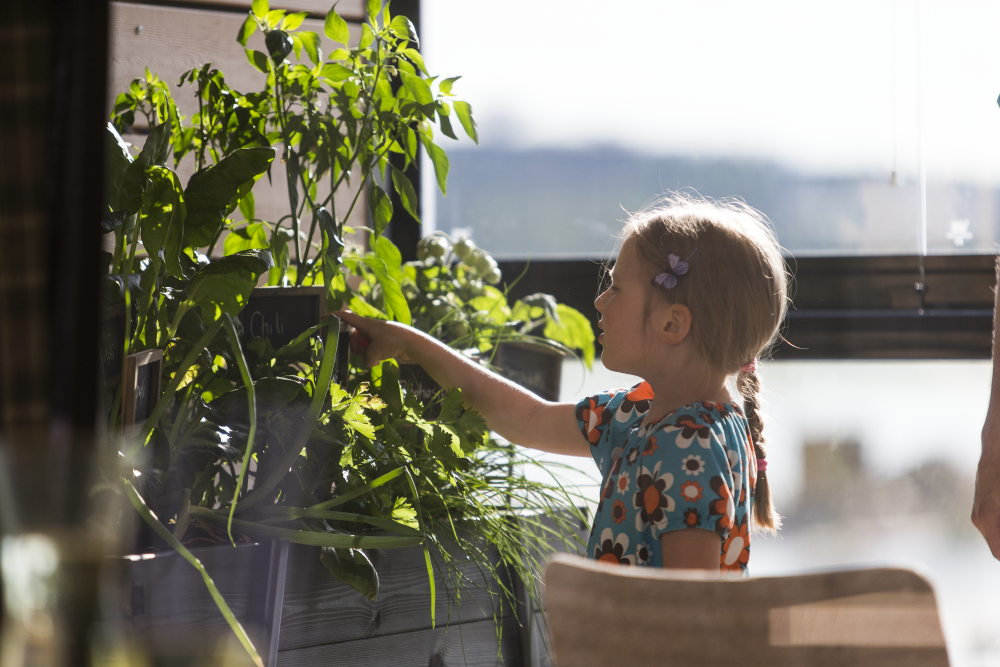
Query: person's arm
{"x": 986, "y": 506}
{"x": 515, "y": 413}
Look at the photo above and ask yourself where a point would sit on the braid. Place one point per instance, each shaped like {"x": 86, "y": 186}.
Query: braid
{"x": 764, "y": 514}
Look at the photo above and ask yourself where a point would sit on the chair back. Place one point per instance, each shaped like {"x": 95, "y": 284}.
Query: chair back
{"x": 600, "y": 614}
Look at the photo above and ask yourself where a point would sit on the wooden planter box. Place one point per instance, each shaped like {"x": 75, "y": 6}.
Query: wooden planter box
{"x": 320, "y": 620}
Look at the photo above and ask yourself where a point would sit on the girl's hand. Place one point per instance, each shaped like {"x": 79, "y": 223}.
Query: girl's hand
{"x": 377, "y": 340}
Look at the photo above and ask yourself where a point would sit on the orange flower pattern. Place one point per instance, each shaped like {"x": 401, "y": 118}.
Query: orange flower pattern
{"x": 687, "y": 469}
{"x": 736, "y": 548}
{"x": 592, "y": 417}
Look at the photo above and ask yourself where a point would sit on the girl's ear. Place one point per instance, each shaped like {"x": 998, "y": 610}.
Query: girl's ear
{"x": 676, "y": 323}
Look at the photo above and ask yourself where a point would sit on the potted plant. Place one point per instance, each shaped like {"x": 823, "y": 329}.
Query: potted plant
{"x": 249, "y": 442}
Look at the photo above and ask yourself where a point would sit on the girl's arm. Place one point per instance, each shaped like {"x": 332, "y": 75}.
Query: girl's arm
{"x": 513, "y": 412}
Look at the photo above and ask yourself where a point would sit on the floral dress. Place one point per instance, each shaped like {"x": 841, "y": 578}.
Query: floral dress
{"x": 687, "y": 469}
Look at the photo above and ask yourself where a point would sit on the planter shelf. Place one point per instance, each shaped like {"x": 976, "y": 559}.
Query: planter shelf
{"x": 322, "y": 621}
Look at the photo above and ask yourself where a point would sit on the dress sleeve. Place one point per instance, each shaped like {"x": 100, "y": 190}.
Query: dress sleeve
{"x": 606, "y": 418}
{"x": 685, "y": 479}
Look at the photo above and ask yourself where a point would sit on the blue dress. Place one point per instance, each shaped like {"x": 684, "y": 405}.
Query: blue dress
{"x": 687, "y": 469}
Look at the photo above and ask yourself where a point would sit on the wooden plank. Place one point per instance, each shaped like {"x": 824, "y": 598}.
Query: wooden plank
{"x": 321, "y": 610}
{"x": 874, "y": 620}
{"x": 474, "y": 644}
{"x": 350, "y": 10}
{"x": 166, "y": 598}
{"x": 173, "y": 40}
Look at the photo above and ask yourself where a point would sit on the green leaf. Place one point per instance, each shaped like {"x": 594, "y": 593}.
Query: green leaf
{"x": 293, "y": 21}
{"x": 273, "y": 17}
{"x": 464, "y": 111}
{"x": 336, "y": 28}
{"x": 260, "y": 8}
{"x": 214, "y": 193}
{"x": 311, "y": 43}
{"x": 336, "y": 72}
{"x": 365, "y": 309}
{"x": 374, "y": 484}
{"x": 440, "y": 161}
{"x": 372, "y": 8}
{"x": 572, "y": 330}
{"x": 417, "y": 87}
{"x": 140, "y": 506}
{"x": 247, "y": 29}
{"x": 253, "y": 236}
{"x": 223, "y": 286}
{"x": 407, "y": 194}
{"x": 446, "y": 128}
{"x": 247, "y": 207}
{"x": 395, "y": 303}
{"x": 163, "y": 216}
{"x": 367, "y": 36}
{"x": 259, "y": 60}
{"x": 118, "y": 160}
{"x": 417, "y": 59}
{"x": 380, "y": 207}
{"x": 353, "y": 568}
{"x": 445, "y": 86}
{"x": 312, "y": 538}
{"x": 279, "y": 45}
{"x": 387, "y": 251}
{"x": 157, "y": 146}
{"x": 403, "y": 28}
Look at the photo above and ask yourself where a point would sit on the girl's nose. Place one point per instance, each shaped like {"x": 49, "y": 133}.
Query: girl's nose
{"x": 599, "y": 301}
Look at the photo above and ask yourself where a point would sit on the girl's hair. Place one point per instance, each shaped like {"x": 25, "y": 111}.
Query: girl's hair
{"x": 735, "y": 288}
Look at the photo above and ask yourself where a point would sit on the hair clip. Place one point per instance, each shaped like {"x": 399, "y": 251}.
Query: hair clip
{"x": 678, "y": 267}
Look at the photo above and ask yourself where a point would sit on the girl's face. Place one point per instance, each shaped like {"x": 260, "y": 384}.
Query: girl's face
{"x": 624, "y": 307}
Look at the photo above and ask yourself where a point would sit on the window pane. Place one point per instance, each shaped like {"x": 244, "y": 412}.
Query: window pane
{"x": 822, "y": 115}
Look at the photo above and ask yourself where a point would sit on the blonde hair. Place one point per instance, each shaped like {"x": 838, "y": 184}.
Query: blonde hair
{"x": 736, "y": 289}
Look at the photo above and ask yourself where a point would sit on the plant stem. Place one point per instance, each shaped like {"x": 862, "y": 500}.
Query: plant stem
{"x": 234, "y": 341}
{"x": 175, "y": 324}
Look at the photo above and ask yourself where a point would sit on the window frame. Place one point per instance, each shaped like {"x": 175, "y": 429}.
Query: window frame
{"x": 866, "y": 307}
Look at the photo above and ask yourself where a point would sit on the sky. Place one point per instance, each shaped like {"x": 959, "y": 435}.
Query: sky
{"x": 825, "y": 87}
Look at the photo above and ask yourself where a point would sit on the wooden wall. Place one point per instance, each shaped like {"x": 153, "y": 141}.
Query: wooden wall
{"x": 173, "y": 40}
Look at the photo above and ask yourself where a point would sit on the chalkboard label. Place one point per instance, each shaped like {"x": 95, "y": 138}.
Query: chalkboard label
{"x": 419, "y": 382}
{"x": 143, "y": 373}
{"x": 281, "y": 313}
{"x": 537, "y": 369}
{"x": 112, "y": 343}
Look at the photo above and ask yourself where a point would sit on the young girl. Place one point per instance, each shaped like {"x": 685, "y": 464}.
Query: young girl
{"x": 697, "y": 294}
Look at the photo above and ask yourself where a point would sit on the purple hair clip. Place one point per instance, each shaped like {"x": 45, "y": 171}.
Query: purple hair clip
{"x": 678, "y": 267}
